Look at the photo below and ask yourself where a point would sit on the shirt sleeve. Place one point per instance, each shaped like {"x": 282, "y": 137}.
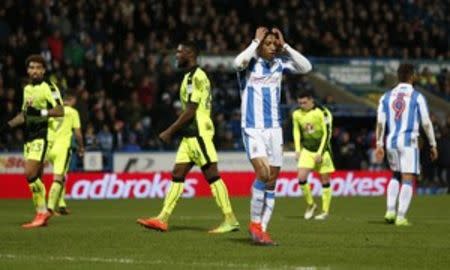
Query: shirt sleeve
{"x": 296, "y": 63}
{"x": 326, "y": 122}
{"x": 53, "y": 96}
{"x": 75, "y": 119}
{"x": 425, "y": 120}
{"x": 243, "y": 59}
{"x": 196, "y": 88}
{"x": 296, "y": 132}
{"x": 25, "y": 97}
{"x": 381, "y": 121}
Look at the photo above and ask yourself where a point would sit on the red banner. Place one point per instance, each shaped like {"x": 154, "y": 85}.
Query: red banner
{"x": 154, "y": 185}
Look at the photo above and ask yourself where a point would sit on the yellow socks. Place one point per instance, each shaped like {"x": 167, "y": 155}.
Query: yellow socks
{"x": 326, "y": 197}
{"x": 172, "y": 196}
{"x": 306, "y": 189}
{"x": 220, "y": 193}
{"x": 62, "y": 201}
{"x": 38, "y": 194}
{"x": 55, "y": 194}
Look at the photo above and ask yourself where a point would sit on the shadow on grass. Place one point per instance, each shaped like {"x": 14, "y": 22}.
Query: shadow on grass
{"x": 244, "y": 241}
{"x": 379, "y": 222}
{"x": 188, "y": 228}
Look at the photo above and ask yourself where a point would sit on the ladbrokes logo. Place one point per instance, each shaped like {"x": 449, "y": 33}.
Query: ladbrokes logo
{"x": 346, "y": 184}
{"x": 112, "y": 187}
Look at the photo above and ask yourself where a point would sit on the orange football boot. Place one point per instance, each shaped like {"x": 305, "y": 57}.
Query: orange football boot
{"x": 153, "y": 224}
{"x": 40, "y": 220}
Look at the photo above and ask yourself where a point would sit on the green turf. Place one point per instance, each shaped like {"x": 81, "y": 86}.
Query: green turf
{"x": 104, "y": 235}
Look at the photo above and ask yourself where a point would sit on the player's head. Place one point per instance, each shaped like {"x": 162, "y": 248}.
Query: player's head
{"x": 35, "y": 67}
{"x": 268, "y": 48}
{"x": 187, "y": 53}
{"x": 305, "y": 100}
{"x": 406, "y": 73}
{"x": 70, "y": 99}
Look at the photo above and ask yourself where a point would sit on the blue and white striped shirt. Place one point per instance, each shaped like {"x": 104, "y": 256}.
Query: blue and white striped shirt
{"x": 402, "y": 109}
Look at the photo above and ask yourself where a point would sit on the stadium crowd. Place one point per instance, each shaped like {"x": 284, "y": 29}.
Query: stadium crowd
{"x": 116, "y": 55}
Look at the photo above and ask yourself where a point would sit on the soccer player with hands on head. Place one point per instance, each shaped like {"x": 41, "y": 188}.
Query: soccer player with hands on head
{"x": 260, "y": 71}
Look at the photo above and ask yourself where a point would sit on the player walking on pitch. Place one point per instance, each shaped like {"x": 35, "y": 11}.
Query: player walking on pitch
{"x": 260, "y": 71}
{"x": 312, "y": 127}
{"x": 60, "y": 153}
{"x": 400, "y": 111}
{"x": 196, "y": 148}
{"x": 41, "y": 103}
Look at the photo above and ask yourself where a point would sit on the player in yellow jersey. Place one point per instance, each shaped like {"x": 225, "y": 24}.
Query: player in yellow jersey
{"x": 312, "y": 133}
{"x": 196, "y": 148}
{"x": 60, "y": 153}
{"x": 41, "y": 103}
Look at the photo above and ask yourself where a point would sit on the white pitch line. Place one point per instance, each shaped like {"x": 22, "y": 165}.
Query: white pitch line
{"x": 128, "y": 261}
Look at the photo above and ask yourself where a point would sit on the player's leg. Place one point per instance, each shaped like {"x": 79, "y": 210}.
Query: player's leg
{"x": 410, "y": 168}
{"x": 269, "y": 199}
{"x": 34, "y": 157}
{"x": 305, "y": 165}
{"x": 61, "y": 158}
{"x": 183, "y": 164}
{"x": 325, "y": 169}
{"x": 392, "y": 191}
{"x": 220, "y": 193}
{"x": 62, "y": 205}
{"x": 393, "y": 187}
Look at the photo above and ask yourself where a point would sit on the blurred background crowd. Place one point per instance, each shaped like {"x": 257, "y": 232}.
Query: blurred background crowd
{"x": 117, "y": 55}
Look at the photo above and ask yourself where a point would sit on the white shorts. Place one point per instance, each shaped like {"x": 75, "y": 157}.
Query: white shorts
{"x": 264, "y": 143}
{"x": 404, "y": 160}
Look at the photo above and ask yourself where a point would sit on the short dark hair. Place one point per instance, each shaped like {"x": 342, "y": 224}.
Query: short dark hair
{"x": 305, "y": 94}
{"x": 192, "y": 45}
{"x": 37, "y": 58}
{"x": 405, "y": 71}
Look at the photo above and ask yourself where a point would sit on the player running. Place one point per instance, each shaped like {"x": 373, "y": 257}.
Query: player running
{"x": 312, "y": 127}
{"x": 400, "y": 111}
{"x": 41, "y": 103}
{"x": 196, "y": 147}
{"x": 260, "y": 71}
{"x": 60, "y": 153}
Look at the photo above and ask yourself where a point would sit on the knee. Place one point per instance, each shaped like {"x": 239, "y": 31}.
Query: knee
{"x": 263, "y": 174}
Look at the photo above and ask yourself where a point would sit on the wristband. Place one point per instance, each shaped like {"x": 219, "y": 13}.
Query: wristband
{"x": 44, "y": 112}
{"x": 285, "y": 46}
{"x": 256, "y": 41}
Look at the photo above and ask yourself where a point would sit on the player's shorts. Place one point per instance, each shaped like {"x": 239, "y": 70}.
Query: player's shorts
{"x": 59, "y": 156}
{"x": 35, "y": 150}
{"x": 198, "y": 150}
{"x": 264, "y": 143}
{"x": 306, "y": 161}
{"x": 404, "y": 160}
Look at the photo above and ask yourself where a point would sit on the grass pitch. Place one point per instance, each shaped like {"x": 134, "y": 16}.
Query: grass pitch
{"x": 104, "y": 235}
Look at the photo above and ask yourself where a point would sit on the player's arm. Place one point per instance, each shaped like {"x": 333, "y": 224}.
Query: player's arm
{"x": 298, "y": 63}
{"x": 76, "y": 126}
{"x": 243, "y": 59}
{"x": 296, "y": 134}
{"x": 194, "y": 98}
{"x": 326, "y": 127}
{"x": 18, "y": 120}
{"x": 427, "y": 125}
{"x": 380, "y": 129}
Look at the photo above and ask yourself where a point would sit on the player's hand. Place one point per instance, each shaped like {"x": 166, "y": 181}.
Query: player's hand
{"x": 297, "y": 156}
{"x": 261, "y": 33}
{"x": 433, "y": 153}
{"x": 318, "y": 159}
{"x": 280, "y": 37}
{"x": 165, "y": 136}
{"x": 80, "y": 151}
{"x": 379, "y": 154}
{"x": 31, "y": 111}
